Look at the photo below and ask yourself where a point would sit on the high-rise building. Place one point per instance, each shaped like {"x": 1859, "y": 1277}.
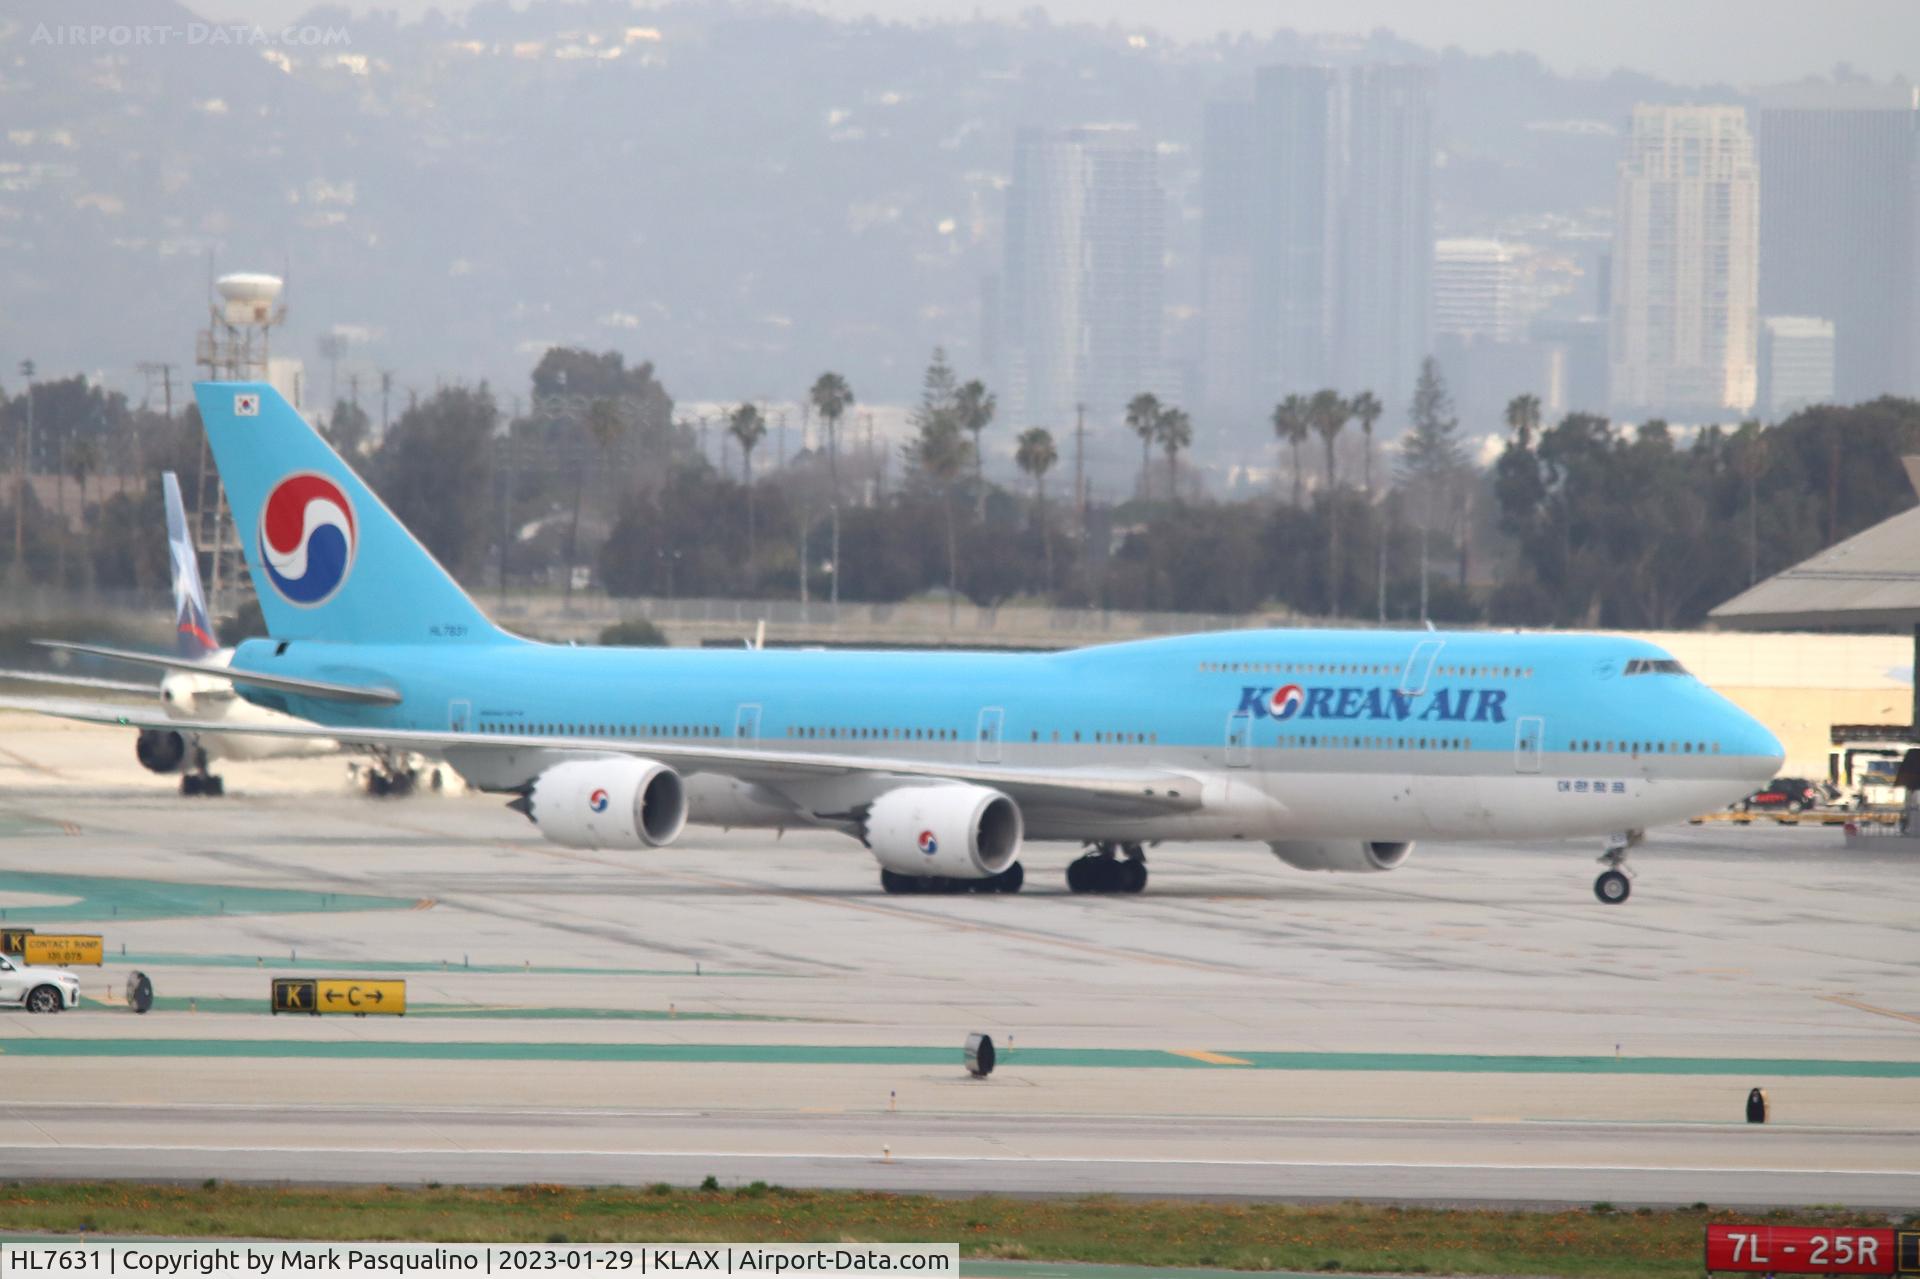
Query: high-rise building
{"x": 1318, "y": 238}
{"x": 1386, "y": 220}
{"x": 1685, "y": 264}
{"x": 1796, "y": 364}
{"x": 1838, "y": 225}
{"x": 1477, "y": 291}
{"x": 1084, "y": 288}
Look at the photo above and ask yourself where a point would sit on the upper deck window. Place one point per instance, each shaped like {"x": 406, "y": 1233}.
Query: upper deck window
{"x": 1654, "y": 666}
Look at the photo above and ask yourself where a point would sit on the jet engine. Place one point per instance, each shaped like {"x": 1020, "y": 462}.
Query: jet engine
{"x": 607, "y": 803}
{"x": 1350, "y": 855}
{"x": 161, "y": 750}
{"x": 947, "y": 832}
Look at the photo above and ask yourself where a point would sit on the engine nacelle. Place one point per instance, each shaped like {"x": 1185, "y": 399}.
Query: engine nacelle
{"x": 607, "y": 803}
{"x": 161, "y": 750}
{"x": 1353, "y": 856}
{"x": 953, "y": 832}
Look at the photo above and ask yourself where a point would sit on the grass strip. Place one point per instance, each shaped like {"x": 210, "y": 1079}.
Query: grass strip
{"x": 1597, "y": 1241}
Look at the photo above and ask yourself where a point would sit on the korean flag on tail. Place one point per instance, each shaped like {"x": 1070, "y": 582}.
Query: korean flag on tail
{"x": 246, "y": 404}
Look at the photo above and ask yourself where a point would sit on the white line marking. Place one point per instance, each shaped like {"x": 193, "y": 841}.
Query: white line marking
{"x": 1092, "y": 1160}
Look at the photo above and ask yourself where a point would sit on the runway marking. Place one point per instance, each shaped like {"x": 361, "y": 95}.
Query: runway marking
{"x": 1115, "y": 1161}
{"x": 796, "y": 1054}
{"x": 1870, "y": 1008}
{"x": 1211, "y": 1058}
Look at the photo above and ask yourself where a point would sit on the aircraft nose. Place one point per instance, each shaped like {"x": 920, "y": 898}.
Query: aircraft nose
{"x": 1756, "y": 741}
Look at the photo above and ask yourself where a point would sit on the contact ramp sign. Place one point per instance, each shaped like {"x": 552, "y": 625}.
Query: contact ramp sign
{"x": 356, "y": 995}
{"x": 58, "y": 950}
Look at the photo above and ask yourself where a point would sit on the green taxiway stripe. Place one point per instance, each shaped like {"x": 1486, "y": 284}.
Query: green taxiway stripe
{"x": 509, "y": 1012}
{"x": 310, "y": 965}
{"x": 100, "y": 899}
{"x": 880, "y": 1055}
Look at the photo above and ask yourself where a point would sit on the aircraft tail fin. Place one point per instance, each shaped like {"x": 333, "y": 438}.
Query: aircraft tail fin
{"x": 329, "y": 561}
{"x": 193, "y": 629}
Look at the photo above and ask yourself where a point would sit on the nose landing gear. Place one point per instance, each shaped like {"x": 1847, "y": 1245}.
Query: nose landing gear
{"x": 1614, "y": 885}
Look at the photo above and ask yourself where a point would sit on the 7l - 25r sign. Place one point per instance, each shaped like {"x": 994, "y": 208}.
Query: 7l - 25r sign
{"x": 1810, "y": 1250}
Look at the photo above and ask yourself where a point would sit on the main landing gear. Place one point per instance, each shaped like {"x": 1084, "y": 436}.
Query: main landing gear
{"x": 1613, "y": 886}
{"x": 1007, "y": 881}
{"x": 198, "y": 780}
{"x": 1102, "y": 870}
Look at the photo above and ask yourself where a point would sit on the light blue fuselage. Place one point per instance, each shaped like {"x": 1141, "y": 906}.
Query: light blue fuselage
{"x": 1392, "y": 735}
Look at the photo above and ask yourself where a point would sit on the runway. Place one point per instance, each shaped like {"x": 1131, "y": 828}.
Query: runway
{"x": 1473, "y": 1027}
{"x": 1403, "y": 1161}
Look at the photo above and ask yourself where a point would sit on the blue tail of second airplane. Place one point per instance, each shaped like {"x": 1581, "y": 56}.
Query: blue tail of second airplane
{"x": 329, "y": 560}
{"x": 193, "y": 630}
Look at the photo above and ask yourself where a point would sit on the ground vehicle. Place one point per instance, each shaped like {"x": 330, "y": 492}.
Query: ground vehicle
{"x": 1787, "y": 794}
{"x": 38, "y": 990}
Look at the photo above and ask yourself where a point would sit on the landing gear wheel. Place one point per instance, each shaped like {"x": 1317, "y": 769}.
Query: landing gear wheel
{"x": 1612, "y": 887}
{"x": 44, "y": 999}
{"x": 213, "y": 784}
{"x": 1010, "y": 879}
{"x": 1134, "y": 876}
{"x": 190, "y": 784}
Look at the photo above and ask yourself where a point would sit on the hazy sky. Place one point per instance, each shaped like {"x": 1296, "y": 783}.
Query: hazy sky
{"x": 1689, "y": 41}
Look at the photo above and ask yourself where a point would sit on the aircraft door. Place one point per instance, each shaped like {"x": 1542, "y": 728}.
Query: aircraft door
{"x": 1528, "y": 731}
{"x": 992, "y": 720}
{"x": 1419, "y": 667}
{"x": 746, "y": 722}
{"x": 459, "y": 717}
{"x": 1239, "y": 739}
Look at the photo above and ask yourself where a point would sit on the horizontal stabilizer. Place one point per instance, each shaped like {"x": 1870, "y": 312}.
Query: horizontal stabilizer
{"x": 80, "y": 681}
{"x": 279, "y": 683}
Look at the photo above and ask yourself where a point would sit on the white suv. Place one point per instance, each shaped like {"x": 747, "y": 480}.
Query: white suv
{"x": 38, "y": 990}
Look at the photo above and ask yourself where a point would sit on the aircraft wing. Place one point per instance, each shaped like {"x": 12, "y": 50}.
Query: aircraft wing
{"x": 81, "y": 681}
{"x": 280, "y": 683}
{"x": 1113, "y": 791}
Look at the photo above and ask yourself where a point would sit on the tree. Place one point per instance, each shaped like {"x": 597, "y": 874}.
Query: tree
{"x": 1367, "y": 407}
{"x": 1143, "y": 419}
{"x": 348, "y": 428}
{"x": 1329, "y": 413}
{"x": 747, "y": 428}
{"x": 1174, "y": 431}
{"x": 1523, "y": 419}
{"x": 1291, "y": 425}
{"x": 1431, "y": 461}
{"x": 439, "y": 446}
{"x": 832, "y": 397}
{"x": 83, "y": 459}
{"x": 975, "y": 405}
{"x": 940, "y": 456}
{"x": 1035, "y": 455}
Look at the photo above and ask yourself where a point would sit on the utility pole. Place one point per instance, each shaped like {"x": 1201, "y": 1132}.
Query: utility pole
{"x": 1079, "y": 465}
{"x": 23, "y": 462}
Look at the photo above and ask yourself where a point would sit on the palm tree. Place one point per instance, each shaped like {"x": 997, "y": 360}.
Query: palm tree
{"x": 747, "y": 428}
{"x": 1036, "y": 455}
{"x": 1290, "y": 424}
{"x": 83, "y": 459}
{"x": 1143, "y": 419}
{"x": 975, "y": 405}
{"x": 1523, "y": 418}
{"x": 1367, "y": 407}
{"x": 1329, "y": 414}
{"x": 1174, "y": 431}
{"x": 832, "y": 397}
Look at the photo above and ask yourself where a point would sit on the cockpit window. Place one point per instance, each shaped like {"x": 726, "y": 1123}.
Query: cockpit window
{"x": 1654, "y": 666}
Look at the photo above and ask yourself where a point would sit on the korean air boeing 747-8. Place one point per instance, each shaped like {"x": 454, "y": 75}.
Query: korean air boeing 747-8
{"x": 1337, "y": 749}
